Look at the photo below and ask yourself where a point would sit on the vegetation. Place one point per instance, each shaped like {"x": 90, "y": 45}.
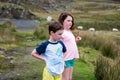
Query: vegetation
{"x": 10, "y": 5}
{"x": 41, "y": 29}
{"x": 99, "y": 50}
{"x": 100, "y": 25}
{"x": 107, "y": 64}
{"x": 7, "y": 30}
{"x": 107, "y": 69}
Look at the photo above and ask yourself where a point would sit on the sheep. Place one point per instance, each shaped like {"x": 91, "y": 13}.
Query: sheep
{"x": 115, "y": 30}
{"x": 91, "y": 29}
{"x": 118, "y": 9}
{"x": 80, "y": 27}
{"x": 49, "y": 18}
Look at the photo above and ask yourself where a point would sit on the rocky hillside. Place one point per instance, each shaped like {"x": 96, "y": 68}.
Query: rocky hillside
{"x": 23, "y": 9}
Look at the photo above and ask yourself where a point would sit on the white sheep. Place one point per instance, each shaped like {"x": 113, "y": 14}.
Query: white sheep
{"x": 49, "y": 18}
{"x": 115, "y": 30}
{"x": 91, "y": 29}
{"x": 80, "y": 27}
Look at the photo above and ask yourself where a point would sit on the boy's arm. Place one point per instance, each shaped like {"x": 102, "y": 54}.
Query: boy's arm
{"x": 36, "y": 55}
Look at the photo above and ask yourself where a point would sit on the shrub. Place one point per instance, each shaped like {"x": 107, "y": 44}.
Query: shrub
{"x": 9, "y": 25}
{"x": 108, "y": 47}
{"x": 41, "y": 33}
{"x": 7, "y": 30}
{"x": 107, "y": 69}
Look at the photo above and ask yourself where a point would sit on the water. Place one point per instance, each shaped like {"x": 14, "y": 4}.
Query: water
{"x": 22, "y": 24}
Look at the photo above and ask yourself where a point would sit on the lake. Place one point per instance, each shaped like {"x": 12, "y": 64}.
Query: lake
{"x": 22, "y": 24}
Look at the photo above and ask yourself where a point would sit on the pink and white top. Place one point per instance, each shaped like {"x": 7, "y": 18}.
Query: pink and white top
{"x": 71, "y": 46}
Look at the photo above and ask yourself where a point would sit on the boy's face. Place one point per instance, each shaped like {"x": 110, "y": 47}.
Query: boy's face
{"x": 57, "y": 35}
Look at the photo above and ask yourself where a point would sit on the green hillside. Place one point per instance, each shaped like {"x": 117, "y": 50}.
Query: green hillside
{"x": 99, "y": 50}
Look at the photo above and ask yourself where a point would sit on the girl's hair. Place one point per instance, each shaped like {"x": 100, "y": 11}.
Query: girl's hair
{"x": 55, "y": 26}
{"x": 63, "y": 16}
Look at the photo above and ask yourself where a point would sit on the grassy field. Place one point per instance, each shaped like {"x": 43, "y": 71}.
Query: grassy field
{"x": 26, "y": 67}
{"x": 84, "y": 67}
{"x": 19, "y": 44}
{"x": 29, "y": 68}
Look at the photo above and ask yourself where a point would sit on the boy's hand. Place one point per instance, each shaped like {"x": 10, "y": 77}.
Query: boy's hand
{"x": 64, "y": 64}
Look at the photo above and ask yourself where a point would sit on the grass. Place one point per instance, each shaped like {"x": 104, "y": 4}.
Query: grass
{"x": 84, "y": 67}
{"x": 32, "y": 70}
{"x": 28, "y": 68}
{"x": 83, "y": 71}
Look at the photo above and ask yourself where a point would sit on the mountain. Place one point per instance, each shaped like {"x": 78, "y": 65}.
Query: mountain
{"x": 24, "y": 9}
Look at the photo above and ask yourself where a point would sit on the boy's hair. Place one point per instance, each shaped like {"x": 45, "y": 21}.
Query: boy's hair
{"x": 55, "y": 26}
{"x": 63, "y": 16}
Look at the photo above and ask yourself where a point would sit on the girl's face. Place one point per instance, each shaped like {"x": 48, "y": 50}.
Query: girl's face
{"x": 67, "y": 22}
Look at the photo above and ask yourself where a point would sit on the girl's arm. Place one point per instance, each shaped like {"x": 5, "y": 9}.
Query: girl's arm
{"x": 36, "y": 55}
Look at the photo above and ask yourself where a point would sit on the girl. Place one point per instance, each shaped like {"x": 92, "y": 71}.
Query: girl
{"x": 69, "y": 40}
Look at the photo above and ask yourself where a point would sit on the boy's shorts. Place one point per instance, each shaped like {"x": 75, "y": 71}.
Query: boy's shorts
{"x": 69, "y": 63}
{"x": 48, "y": 76}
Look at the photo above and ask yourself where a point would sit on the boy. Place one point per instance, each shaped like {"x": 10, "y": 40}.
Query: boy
{"x": 51, "y": 51}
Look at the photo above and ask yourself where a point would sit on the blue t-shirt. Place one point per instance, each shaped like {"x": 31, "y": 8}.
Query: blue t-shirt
{"x": 53, "y": 54}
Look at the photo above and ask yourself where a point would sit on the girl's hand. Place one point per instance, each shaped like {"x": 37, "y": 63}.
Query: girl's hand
{"x": 78, "y": 38}
{"x": 64, "y": 64}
